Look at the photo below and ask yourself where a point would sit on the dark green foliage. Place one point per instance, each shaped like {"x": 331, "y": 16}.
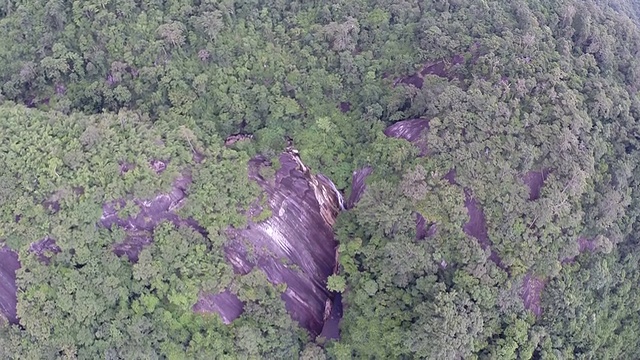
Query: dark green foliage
{"x": 93, "y": 92}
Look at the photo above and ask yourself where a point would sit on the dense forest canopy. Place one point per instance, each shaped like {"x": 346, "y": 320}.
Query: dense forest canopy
{"x": 488, "y": 153}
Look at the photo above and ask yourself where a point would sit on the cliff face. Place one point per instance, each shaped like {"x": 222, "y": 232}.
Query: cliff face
{"x": 295, "y": 245}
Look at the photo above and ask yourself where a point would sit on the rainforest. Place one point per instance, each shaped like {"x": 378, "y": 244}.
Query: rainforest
{"x": 310, "y": 179}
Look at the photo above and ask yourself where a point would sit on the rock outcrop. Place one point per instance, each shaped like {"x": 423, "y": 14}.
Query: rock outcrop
{"x": 412, "y": 130}
{"x": 225, "y": 304}
{"x": 531, "y": 292}
{"x": 295, "y": 245}
{"x": 358, "y": 185}
{"x": 535, "y": 181}
{"x": 139, "y": 227}
{"x": 9, "y": 264}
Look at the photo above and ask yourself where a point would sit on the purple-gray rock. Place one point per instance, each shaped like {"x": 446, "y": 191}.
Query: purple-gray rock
{"x": 530, "y": 293}
{"x": 331, "y": 328}
{"x": 413, "y": 130}
{"x": 158, "y": 166}
{"x": 9, "y": 264}
{"x": 42, "y": 249}
{"x": 358, "y": 185}
{"x": 295, "y": 245}
{"x": 583, "y": 244}
{"x": 345, "y": 106}
{"x": 133, "y": 245}
{"x": 440, "y": 68}
{"x": 535, "y": 181}
{"x": 424, "y": 230}
{"x": 150, "y": 213}
{"x": 225, "y": 304}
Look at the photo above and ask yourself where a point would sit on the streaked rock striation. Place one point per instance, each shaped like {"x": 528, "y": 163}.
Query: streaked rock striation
{"x": 295, "y": 245}
{"x": 9, "y": 264}
{"x": 412, "y": 130}
{"x": 226, "y": 304}
{"x": 358, "y": 185}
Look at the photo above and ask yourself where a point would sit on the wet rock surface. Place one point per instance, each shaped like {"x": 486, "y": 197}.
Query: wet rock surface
{"x": 331, "y": 328}
{"x": 296, "y": 245}
{"x": 9, "y": 264}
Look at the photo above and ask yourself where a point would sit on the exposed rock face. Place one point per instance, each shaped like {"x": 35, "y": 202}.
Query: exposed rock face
{"x": 9, "y": 264}
{"x": 477, "y": 224}
{"x": 358, "y": 185}
{"x": 412, "y": 130}
{"x": 158, "y": 166}
{"x": 296, "y": 245}
{"x": 535, "y": 181}
{"x": 331, "y": 328}
{"x": 232, "y": 139}
{"x": 133, "y": 244}
{"x": 42, "y": 249}
{"x": 151, "y": 212}
{"x": 423, "y": 229}
{"x": 226, "y": 304}
{"x": 439, "y": 68}
{"x": 344, "y": 106}
{"x": 530, "y": 292}
{"x": 583, "y": 244}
